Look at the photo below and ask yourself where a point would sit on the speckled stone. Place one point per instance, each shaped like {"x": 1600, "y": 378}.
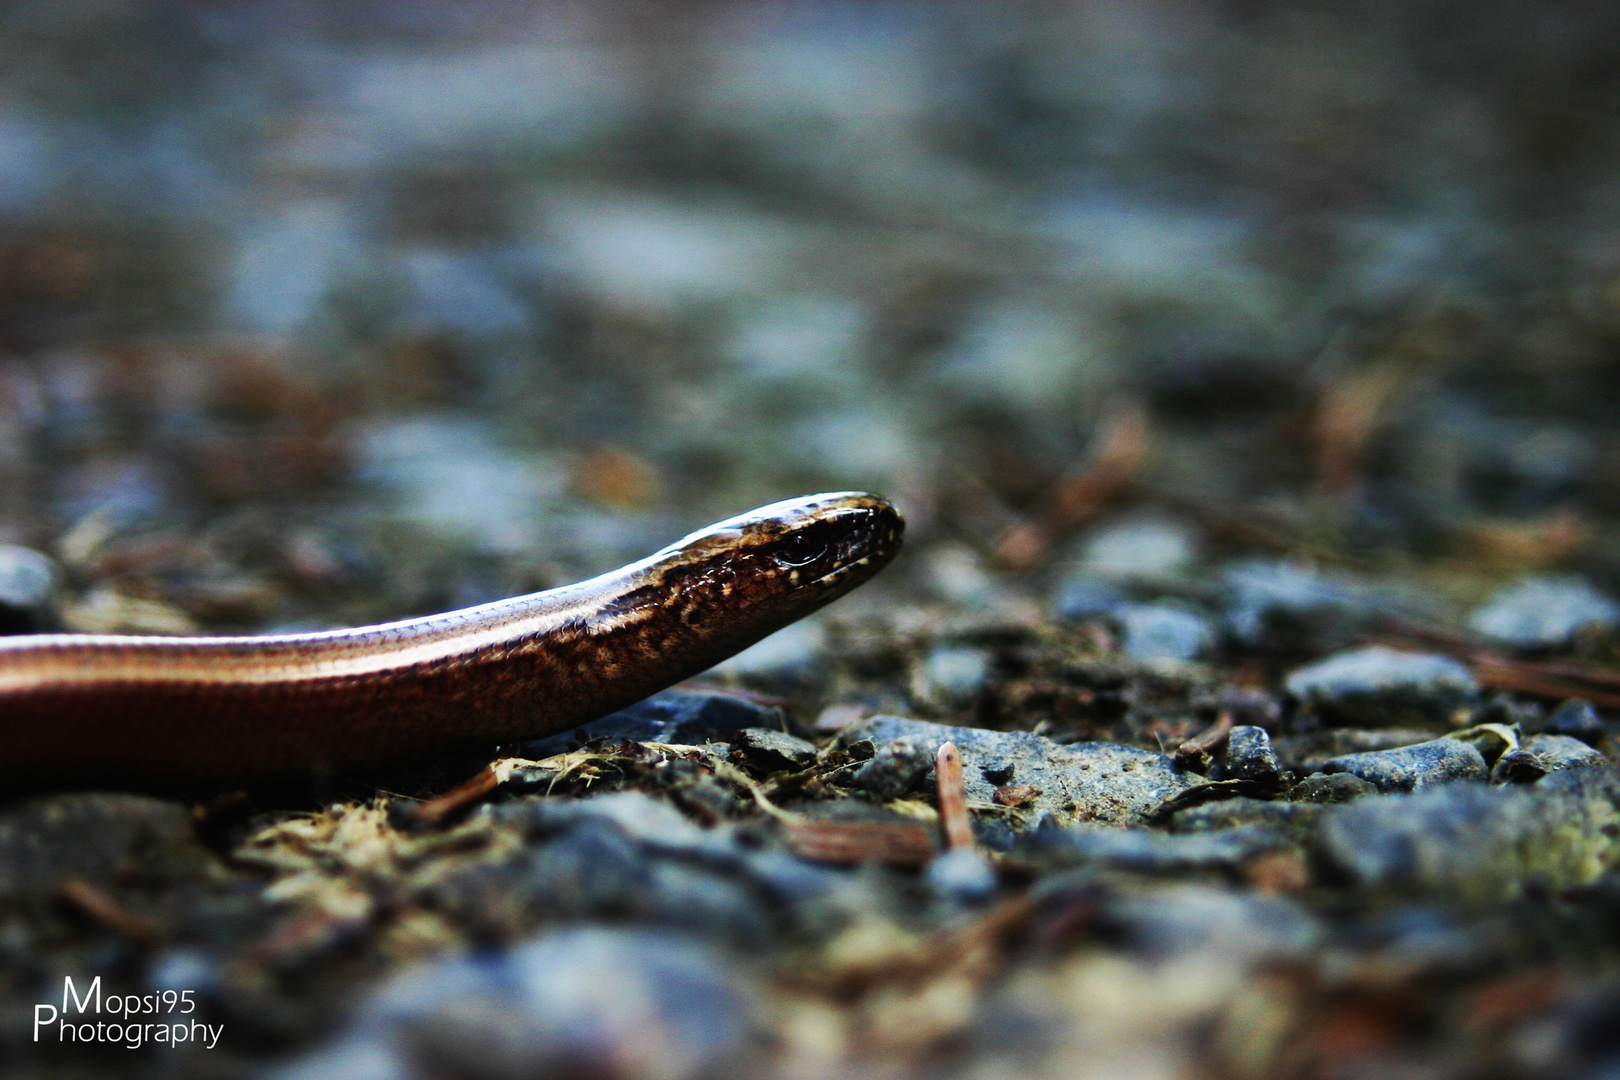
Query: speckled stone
{"x": 1478, "y": 843}
{"x": 1100, "y": 782}
{"x": 1408, "y": 767}
{"x": 1248, "y": 756}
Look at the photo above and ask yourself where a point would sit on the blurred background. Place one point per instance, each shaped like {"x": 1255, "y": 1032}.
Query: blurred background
{"x": 315, "y": 314}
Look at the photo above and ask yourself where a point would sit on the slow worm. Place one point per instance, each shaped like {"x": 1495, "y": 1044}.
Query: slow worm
{"x": 78, "y": 709}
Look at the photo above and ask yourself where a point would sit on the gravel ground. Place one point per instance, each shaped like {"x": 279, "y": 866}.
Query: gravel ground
{"x": 1243, "y": 372}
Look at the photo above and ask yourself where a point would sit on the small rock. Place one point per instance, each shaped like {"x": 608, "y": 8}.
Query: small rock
{"x": 1294, "y": 818}
{"x": 681, "y": 717}
{"x": 1164, "y": 632}
{"x": 28, "y": 591}
{"x": 1283, "y": 606}
{"x": 998, "y": 771}
{"x": 1577, "y": 719}
{"x": 953, "y": 675}
{"x": 1331, "y": 788}
{"x": 1151, "y": 549}
{"x": 1545, "y": 613}
{"x": 585, "y": 1001}
{"x": 1147, "y": 851}
{"x": 1233, "y": 928}
{"x": 1557, "y": 752}
{"x": 1381, "y": 687}
{"x": 962, "y": 875}
{"x": 1477, "y": 843}
{"x": 769, "y": 750}
{"x": 1084, "y": 597}
{"x": 1080, "y": 782}
{"x": 1435, "y": 762}
{"x": 1248, "y": 757}
{"x": 897, "y": 767}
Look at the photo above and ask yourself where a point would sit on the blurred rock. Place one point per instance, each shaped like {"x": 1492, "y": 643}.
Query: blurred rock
{"x": 1331, "y": 788}
{"x": 1080, "y": 782}
{"x": 1381, "y": 687}
{"x": 28, "y": 591}
{"x": 1577, "y": 719}
{"x": 1147, "y": 851}
{"x": 1283, "y": 606}
{"x": 1436, "y": 762}
{"x": 1164, "y": 632}
{"x": 1146, "y": 550}
{"x": 1545, "y": 613}
{"x": 581, "y": 1002}
{"x": 962, "y": 875}
{"x": 953, "y": 675}
{"x": 1477, "y": 843}
{"x": 1084, "y": 597}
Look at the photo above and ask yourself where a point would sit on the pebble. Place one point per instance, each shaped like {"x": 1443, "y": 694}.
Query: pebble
{"x": 897, "y": 767}
{"x": 1083, "y": 597}
{"x": 680, "y": 717}
{"x": 1150, "y": 549}
{"x": 1437, "y": 761}
{"x": 1382, "y": 687}
{"x": 1229, "y": 927}
{"x": 1148, "y": 851}
{"x": 1545, "y": 613}
{"x": 770, "y": 750}
{"x": 953, "y": 675}
{"x": 29, "y": 584}
{"x": 1331, "y": 788}
{"x": 1477, "y": 843}
{"x": 1577, "y": 719}
{"x": 580, "y": 1001}
{"x": 1282, "y": 605}
{"x": 1294, "y": 818}
{"x": 962, "y": 875}
{"x": 1248, "y": 756}
{"x": 1164, "y": 632}
{"x": 1081, "y": 782}
{"x": 1555, "y": 752}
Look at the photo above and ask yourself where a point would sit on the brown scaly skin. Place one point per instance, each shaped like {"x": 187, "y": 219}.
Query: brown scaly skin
{"x": 215, "y": 712}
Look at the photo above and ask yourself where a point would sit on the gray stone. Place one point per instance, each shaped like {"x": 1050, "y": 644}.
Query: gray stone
{"x": 1381, "y": 687}
{"x": 962, "y": 875}
{"x": 1293, "y": 818}
{"x": 898, "y": 766}
{"x": 1148, "y": 851}
{"x": 1577, "y": 719}
{"x": 1249, "y": 756}
{"x": 1150, "y": 549}
{"x": 1557, "y": 752}
{"x": 1438, "y": 761}
{"x": 1084, "y": 597}
{"x": 1233, "y": 928}
{"x": 29, "y": 583}
{"x": 1283, "y": 604}
{"x": 1331, "y": 788}
{"x": 954, "y": 674}
{"x": 1101, "y": 782}
{"x": 770, "y": 750}
{"x": 586, "y": 1001}
{"x": 1164, "y": 632}
{"x": 1545, "y": 612}
{"x": 1478, "y": 843}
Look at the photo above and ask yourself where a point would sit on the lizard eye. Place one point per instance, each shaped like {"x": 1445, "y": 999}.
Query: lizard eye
{"x": 799, "y": 549}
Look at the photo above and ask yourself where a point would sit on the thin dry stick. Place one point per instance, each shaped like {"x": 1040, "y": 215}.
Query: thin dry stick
{"x": 953, "y": 812}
